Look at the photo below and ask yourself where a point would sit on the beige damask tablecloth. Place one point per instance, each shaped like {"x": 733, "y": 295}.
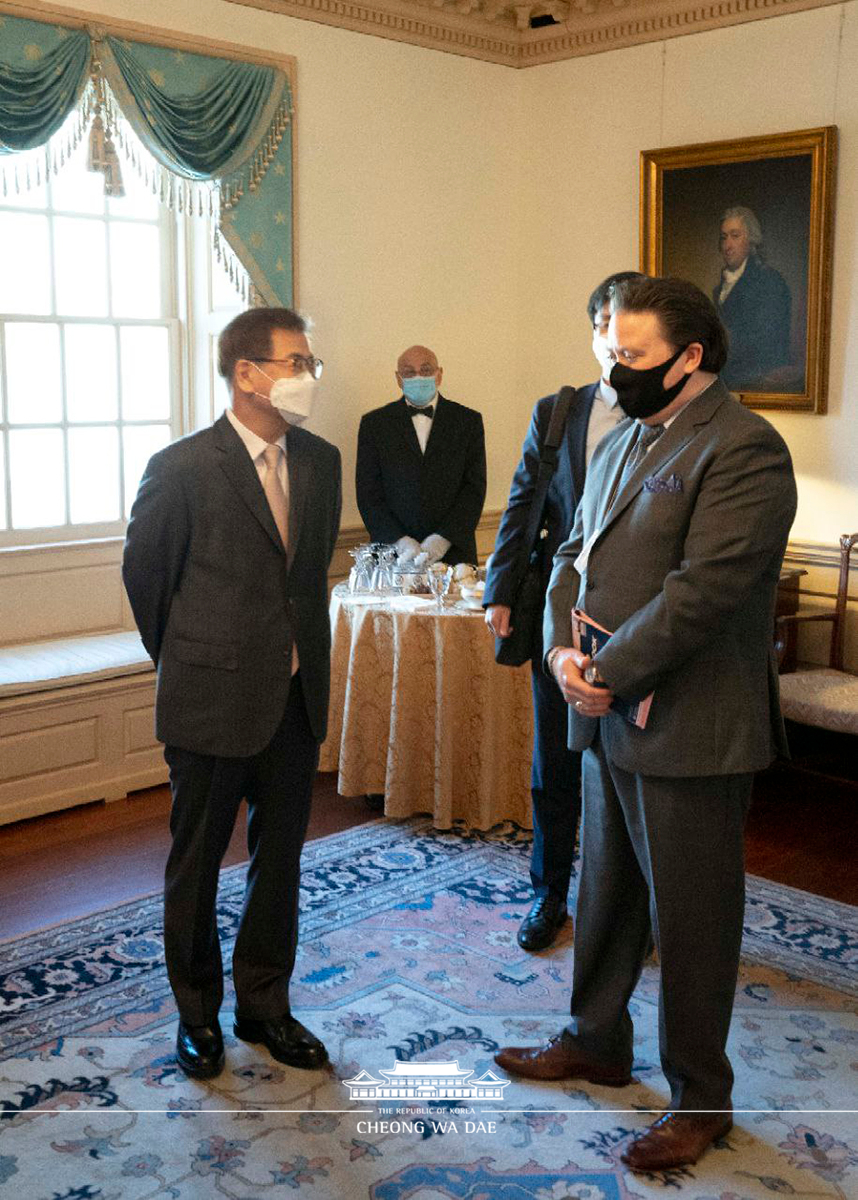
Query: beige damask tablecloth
{"x": 421, "y": 712}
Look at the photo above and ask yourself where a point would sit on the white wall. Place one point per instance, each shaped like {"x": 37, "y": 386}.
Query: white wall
{"x": 407, "y": 185}
{"x": 588, "y": 120}
{"x": 473, "y": 207}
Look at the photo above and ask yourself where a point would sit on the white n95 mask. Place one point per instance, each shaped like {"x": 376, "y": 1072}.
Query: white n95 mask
{"x": 293, "y": 397}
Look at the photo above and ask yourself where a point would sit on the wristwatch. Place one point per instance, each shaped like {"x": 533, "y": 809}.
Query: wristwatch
{"x": 592, "y": 676}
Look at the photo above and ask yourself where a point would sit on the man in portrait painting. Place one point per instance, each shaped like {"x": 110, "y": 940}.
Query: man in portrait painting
{"x": 754, "y": 303}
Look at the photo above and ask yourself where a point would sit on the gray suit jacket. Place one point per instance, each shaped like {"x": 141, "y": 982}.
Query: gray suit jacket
{"x": 684, "y": 569}
{"x": 215, "y": 599}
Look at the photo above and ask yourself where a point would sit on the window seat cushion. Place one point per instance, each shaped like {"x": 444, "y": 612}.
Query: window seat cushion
{"x": 65, "y": 662}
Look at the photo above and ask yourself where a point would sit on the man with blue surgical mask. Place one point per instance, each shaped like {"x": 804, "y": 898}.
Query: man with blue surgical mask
{"x": 421, "y": 468}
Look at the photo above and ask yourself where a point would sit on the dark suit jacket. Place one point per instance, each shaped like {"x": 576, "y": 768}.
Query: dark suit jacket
{"x": 216, "y": 602}
{"x": 402, "y": 491}
{"x": 757, "y": 316}
{"x": 564, "y": 492}
{"x": 684, "y": 570}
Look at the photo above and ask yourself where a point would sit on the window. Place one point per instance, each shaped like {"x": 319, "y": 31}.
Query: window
{"x": 109, "y": 311}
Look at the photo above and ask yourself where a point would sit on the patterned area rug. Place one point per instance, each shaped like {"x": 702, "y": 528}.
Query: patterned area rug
{"x": 408, "y": 956}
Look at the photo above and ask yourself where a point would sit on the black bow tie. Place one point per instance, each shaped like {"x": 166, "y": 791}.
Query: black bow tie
{"x": 428, "y": 411}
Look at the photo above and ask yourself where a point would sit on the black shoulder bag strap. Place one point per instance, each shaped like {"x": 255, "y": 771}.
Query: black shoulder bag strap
{"x": 547, "y": 466}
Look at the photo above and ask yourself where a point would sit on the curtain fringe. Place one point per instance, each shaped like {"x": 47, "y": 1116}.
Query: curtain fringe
{"x": 29, "y": 169}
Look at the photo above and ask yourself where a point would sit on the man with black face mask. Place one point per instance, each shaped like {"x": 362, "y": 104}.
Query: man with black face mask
{"x": 677, "y": 548}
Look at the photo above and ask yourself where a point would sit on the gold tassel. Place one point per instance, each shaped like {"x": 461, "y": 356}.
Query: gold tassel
{"x": 96, "y": 155}
{"x": 102, "y": 157}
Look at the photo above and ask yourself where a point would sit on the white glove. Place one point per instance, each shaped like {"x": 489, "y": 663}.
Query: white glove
{"x": 406, "y": 548}
{"x": 435, "y": 547}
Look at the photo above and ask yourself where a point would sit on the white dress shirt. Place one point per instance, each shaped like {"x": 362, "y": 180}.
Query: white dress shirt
{"x": 604, "y": 415}
{"x": 256, "y": 446}
{"x": 422, "y": 424}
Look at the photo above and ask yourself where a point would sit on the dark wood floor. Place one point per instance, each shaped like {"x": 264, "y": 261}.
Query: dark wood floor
{"x": 75, "y": 862}
{"x": 801, "y": 832}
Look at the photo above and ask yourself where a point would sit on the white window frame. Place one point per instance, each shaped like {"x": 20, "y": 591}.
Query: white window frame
{"x": 68, "y": 532}
{"x": 198, "y": 394}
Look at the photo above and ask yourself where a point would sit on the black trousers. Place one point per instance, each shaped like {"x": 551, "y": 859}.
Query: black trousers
{"x": 555, "y": 789}
{"x": 207, "y": 792}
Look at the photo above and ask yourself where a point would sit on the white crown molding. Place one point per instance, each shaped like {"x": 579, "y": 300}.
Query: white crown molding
{"x": 499, "y": 30}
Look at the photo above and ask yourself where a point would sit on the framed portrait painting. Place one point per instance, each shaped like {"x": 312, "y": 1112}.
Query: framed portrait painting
{"x": 750, "y": 222}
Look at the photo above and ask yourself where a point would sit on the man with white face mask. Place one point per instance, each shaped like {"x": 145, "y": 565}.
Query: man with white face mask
{"x": 421, "y": 467}
{"x": 225, "y": 565}
{"x": 556, "y": 771}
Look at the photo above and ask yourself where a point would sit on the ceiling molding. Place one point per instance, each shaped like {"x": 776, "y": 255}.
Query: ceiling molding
{"x": 499, "y": 31}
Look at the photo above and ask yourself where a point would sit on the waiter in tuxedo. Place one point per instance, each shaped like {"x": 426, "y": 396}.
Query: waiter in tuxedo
{"x": 225, "y": 565}
{"x": 421, "y": 467}
{"x": 677, "y": 549}
{"x": 555, "y": 771}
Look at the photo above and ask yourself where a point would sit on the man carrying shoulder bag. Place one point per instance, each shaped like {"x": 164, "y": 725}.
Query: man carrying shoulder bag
{"x": 530, "y": 531}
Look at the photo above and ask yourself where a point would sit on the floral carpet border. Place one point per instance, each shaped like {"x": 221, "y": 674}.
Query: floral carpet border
{"x": 58, "y": 981}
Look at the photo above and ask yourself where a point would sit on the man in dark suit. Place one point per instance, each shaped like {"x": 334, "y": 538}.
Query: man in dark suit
{"x": 556, "y": 771}
{"x": 225, "y": 565}
{"x": 754, "y": 303}
{"x": 677, "y": 548}
{"x": 421, "y": 468}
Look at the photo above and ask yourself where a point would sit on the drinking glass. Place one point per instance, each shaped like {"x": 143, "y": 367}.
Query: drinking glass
{"x": 439, "y": 576}
{"x": 387, "y": 561}
{"x": 375, "y": 552}
{"x": 360, "y": 576}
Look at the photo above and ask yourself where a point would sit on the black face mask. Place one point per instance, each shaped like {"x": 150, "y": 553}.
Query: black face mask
{"x": 642, "y": 394}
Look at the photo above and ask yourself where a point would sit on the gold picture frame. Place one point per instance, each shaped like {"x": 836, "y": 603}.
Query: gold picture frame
{"x": 776, "y": 301}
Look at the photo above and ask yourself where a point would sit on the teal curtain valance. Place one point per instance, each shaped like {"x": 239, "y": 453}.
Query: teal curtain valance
{"x": 203, "y": 118}
{"x": 219, "y": 130}
{"x": 43, "y": 72}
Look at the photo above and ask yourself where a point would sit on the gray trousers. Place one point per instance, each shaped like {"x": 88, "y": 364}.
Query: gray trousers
{"x": 665, "y": 854}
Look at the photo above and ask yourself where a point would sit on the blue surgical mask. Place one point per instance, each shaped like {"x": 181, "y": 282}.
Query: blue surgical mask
{"x": 419, "y": 390}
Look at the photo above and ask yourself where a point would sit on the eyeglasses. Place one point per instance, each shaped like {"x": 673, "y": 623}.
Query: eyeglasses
{"x": 425, "y": 372}
{"x": 296, "y": 364}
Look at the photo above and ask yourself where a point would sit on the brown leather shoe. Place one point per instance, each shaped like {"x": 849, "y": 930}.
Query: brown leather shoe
{"x": 676, "y": 1139}
{"x": 556, "y": 1060}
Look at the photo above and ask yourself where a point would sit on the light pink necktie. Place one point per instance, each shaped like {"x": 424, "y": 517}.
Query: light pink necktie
{"x": 274, "y": 494}
{"x": 278, "y": 502}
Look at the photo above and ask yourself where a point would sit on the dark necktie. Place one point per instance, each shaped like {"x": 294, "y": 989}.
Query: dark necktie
{"x": 647, "y": 434}
{"x": 428, "y": 411}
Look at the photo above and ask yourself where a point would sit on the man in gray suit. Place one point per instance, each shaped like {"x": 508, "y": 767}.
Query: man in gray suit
{"x": 225, "y": 565}
{"x": 677, "y": 548}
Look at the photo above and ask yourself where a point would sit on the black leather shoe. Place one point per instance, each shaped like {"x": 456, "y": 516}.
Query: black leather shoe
{"x": 286, "y": 1039}
{"x": 199, "y": 1050}
{"x": 542, "y": 924}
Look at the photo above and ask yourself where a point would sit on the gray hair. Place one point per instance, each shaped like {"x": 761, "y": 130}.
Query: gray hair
{"x": 749, "y": 220}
